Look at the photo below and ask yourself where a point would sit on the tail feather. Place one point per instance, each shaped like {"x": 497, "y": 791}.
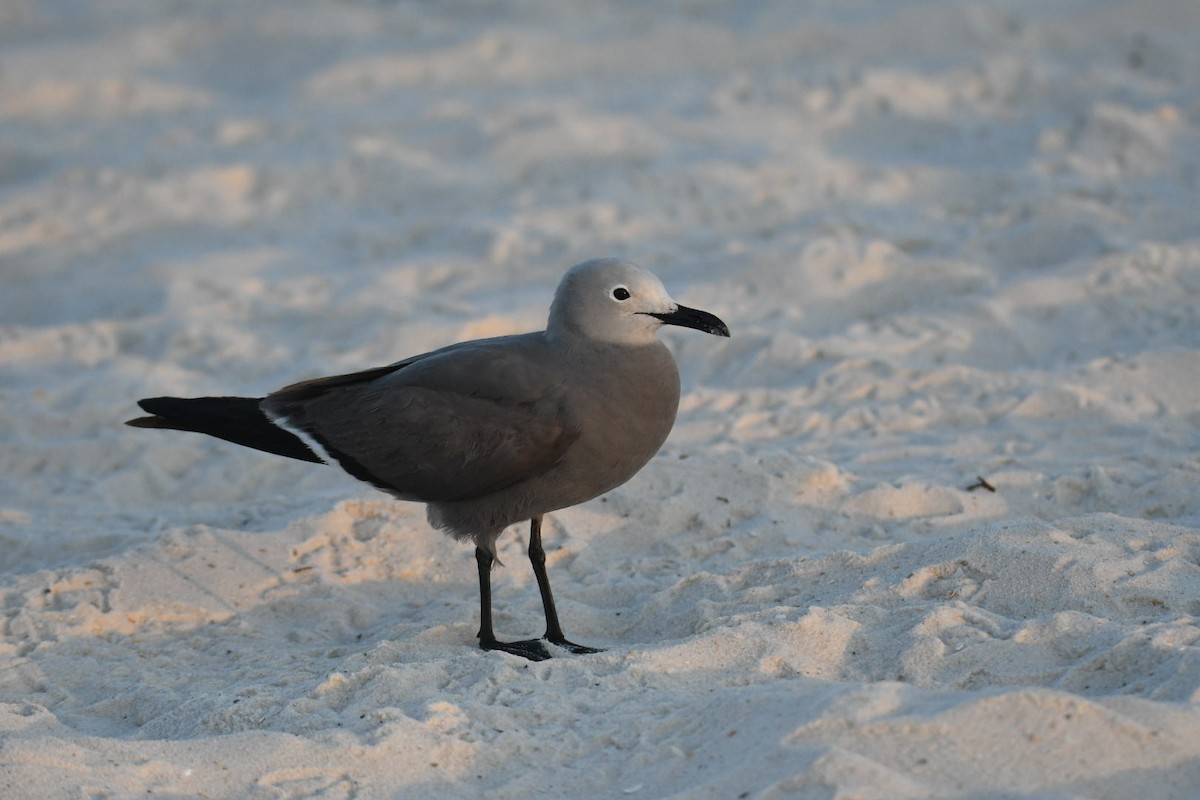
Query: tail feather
{"x": 234, "y": 419}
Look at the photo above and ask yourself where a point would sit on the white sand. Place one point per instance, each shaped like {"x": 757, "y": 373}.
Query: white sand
{"x": 952, "y": 240}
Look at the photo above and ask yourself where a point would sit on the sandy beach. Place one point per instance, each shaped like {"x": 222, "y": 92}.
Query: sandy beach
{"x": 928, "y": 525}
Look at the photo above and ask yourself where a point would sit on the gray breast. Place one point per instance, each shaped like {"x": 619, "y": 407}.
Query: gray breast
{"x": 618, "y": 432}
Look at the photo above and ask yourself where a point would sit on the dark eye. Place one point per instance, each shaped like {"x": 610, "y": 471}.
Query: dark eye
{"x": 620, "y": 293}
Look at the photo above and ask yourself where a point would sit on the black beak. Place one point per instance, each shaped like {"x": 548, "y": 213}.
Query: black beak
{"x": 693, "y": 318}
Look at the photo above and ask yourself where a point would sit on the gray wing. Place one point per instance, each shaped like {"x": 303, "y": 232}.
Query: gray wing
{"x": 453, "y": 425}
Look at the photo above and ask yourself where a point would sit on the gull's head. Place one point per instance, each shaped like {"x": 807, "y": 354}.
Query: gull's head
{"x": 618, "y": 302}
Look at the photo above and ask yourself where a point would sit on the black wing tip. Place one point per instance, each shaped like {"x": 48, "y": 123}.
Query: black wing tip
{"x": 240, "y": 420}
{"x": 159, "y": 409}
{"x": 146, "y": 422}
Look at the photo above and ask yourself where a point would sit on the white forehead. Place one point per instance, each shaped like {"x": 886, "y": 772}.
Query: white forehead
{"x": 586, "y": 304}
{"x": 604, "y": 275}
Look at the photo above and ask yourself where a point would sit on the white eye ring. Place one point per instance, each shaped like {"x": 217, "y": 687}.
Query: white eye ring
{"x": 619, "y": 293}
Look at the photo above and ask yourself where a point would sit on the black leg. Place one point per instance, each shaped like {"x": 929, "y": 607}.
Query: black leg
{"x": 533, "y": 649}
{"x": 537, "y": 557}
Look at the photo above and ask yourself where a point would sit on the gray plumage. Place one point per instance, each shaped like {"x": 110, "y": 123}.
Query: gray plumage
{"x": 490, "y": 432}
